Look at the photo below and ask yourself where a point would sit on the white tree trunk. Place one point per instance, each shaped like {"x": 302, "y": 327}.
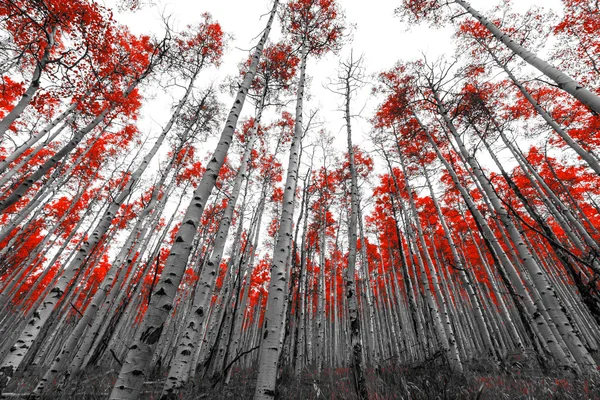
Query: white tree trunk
{"x": 136, "y": 365}
{"x": 271, "y": 344}
{"x": 564, "y": 81}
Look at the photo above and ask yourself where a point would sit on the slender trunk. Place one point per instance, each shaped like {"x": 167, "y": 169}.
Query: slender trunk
{"x": 356, "y": 345}
{"x": 270, "y": 347}
{"x": 34, "y": 85}
{"x": 540, "y": 281}
{"x": 136, "y": 365}
{"x": 564, "y": 81}
{"x": 193, "y": 326}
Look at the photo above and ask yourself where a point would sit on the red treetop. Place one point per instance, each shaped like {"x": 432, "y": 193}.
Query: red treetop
{"x": 318, "y": 24}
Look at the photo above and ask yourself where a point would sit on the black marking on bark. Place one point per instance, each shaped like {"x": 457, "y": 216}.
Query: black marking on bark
{"x": 151, "y": 335}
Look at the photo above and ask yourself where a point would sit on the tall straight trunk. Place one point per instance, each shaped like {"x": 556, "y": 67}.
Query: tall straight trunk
{"x": 356, "y": 345}
{"x": 39, "y": 316}
{"x": 571, "y": 225}
{"x": 404, "y": 262}
{"x": 270, "y": 347}
{"x": 193, "y": 326}
{"x": 29, "y": 264}
{"x": 238, "y": 327}
{"x": 124, "y": 267}
{"x": 136, "y": 365}
{"x": 564, "y": 81}
{"x": 448, "y": 339}
{"x": 368, "y": 303}
{"x": 301, "y": 316}
{"x": 59, "y": 177}
{"x": 321, "y": 285}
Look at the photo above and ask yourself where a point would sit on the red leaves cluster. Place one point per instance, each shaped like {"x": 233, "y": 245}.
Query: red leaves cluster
{"x": 201, "y": 43}
{"x": 317, "y": 24}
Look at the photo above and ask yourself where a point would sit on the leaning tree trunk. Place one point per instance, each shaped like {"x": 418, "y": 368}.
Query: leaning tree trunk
{"x": 538, "y": 276}
{"x": 564, "y": 81}
{"x": 4, "y": 164}
{"x": 481, "y": 325}
{"x": 34, "y": 85}
{"x": 505, "y": 266}
{"x": 65, "y": 354}
{"x": 41, "y": 315}
{"x": 193, "y": 326}
{"x": 446, "y": 332}
{"x": 137, "y": 362}
{"x": 581, "y": 152}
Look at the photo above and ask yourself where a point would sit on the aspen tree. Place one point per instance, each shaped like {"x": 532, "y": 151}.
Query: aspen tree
{"x": 135, "y": 367}
{"x": 29, "y": 334}
{"x": 481, "y": 325}
{"x": 539, "y": 278}
{"x": 432, "y": 10}
{"x": 314, "y": 28}
{"x": 350, "y": 76}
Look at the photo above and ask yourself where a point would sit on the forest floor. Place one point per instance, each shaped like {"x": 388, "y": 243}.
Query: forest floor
{"x": 425, "y": 383}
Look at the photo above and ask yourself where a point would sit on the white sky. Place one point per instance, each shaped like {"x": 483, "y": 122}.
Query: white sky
{"x": 377, "y": 34}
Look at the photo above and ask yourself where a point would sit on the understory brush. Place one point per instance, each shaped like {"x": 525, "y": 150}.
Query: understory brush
{"x": 387, "y": 382}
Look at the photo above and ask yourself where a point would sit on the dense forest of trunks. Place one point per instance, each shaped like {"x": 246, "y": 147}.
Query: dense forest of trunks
{"x": 461, "y": 228}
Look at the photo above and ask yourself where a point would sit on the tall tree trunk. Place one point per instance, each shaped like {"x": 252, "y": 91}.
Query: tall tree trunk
{"x": 136, "y": 365}
{"x": 34, "y": 85}
{"x": 356, "y": 345}
{"x": 564, "y": 81}
{"x": 270, "y": 347}
{"x": 193, "y": 326}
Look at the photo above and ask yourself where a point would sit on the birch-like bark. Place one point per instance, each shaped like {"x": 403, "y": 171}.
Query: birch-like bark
{"x": 136, "y": 365}
{"x": 64, "y": 355}
{"x": 271, "y": 344}
{"x": 238, "y": 323}
{"x": 546, "y": 290}
{"x": 482, "y": 327}
{"x": 441, "y": 319}
{"x": 33, "y": 140}
{"x": 34, "y": 85}
{"x": 581, "y": 152}
{"x": 208, "y": 276}
{"x": 505, "y": 265}
{"x": 42, "y": 314}
{"x": 20, "y": 190}
{"x": 356, "y": 346}
{"x": 564, "y": 81}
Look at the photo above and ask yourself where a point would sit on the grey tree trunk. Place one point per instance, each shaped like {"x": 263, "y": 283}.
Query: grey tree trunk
{"x": 270, "y": 347}
{"x": 34, "y": 85}
{"x": 564, "y": 81}
{"x": 136, "y": 365}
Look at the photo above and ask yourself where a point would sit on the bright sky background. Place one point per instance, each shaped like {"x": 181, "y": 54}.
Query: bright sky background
{"x": 377, "y": 34}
